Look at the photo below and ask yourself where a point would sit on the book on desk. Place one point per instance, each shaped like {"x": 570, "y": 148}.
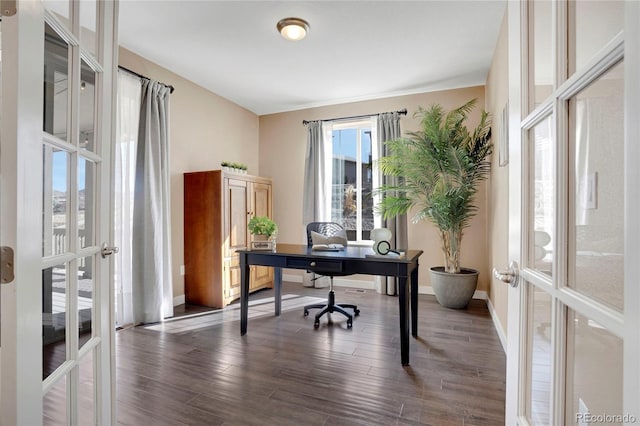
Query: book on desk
{"x": 327, "y": 247}
{"x": 391, "y": 254}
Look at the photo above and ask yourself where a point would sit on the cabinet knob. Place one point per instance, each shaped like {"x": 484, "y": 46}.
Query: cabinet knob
{"x": 312, "y": 264}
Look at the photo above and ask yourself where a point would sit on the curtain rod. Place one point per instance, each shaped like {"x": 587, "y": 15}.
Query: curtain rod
{"x": 142, "y": 76}
{"x": 401, "y": 112}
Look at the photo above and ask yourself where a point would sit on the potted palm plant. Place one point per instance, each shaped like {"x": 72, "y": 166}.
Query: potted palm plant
{"x": 439, "y": 169}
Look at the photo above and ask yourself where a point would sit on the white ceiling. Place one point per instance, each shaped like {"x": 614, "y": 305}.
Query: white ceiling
{"x": 355, "y": 50}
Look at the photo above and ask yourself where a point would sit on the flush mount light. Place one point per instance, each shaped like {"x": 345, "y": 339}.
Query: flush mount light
{"x": 293, "y": 28}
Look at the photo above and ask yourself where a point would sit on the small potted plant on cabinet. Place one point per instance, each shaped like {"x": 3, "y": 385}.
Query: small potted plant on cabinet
{"x": 228, "y": 166}
{"x": 439, "y": 168}
{"x": 264, "y": 231}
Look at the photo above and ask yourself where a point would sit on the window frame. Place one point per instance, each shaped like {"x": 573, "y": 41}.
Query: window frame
{"x": 359, "y": 124}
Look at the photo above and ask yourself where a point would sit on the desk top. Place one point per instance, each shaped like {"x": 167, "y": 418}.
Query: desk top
{"x": 349, "y": 253}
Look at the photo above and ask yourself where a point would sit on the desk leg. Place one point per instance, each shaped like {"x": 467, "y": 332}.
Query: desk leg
{"x": 244, "y": 293}
{"x": 403, "y": 300}
{"x": 277, "y": 277}
{"x": 414, "y": 302}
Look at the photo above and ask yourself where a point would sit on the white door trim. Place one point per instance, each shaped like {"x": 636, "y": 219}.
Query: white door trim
{"x": 631, "y": 403}
{"x": 107, "y": 54}
{"x": 515, "y": 325}
{"x": 21, "y": 219}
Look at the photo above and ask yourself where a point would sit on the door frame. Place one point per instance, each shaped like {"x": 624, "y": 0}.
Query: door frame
{"x": 21, "y": 218}
{"x": 21, "y": 359}
{"x": 517, "y": 322}
{"x": 631, "y": 367}
{"x": 514, "y": 403}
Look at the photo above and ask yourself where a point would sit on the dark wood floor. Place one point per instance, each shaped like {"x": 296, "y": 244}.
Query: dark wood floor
{"x": 285, "y": 372}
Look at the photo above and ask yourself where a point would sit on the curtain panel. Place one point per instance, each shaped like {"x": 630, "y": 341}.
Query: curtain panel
{"x": 317, "y": 176}
{"x": 388, "y": 128}
{"x": 127, "y": 125}
{"x": 151, "y": 247}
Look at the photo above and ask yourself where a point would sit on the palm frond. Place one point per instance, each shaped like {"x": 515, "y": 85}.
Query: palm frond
{"x": 439, "y": 168}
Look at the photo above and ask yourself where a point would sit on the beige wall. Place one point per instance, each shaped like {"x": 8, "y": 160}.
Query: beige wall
{"x": 497, "y": 91}
{"x": 205, "y": 129}
{"x": 282, "y": 157}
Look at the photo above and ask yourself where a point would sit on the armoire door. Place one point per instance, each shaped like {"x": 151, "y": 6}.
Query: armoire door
{"x": 235, "y": 231}
{"x": 260, "y": 205}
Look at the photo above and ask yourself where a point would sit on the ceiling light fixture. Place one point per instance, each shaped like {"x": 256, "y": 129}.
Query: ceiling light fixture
{"x": 293, "y": 28}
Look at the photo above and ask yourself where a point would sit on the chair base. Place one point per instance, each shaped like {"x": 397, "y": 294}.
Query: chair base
{"x": 332, "y": 307}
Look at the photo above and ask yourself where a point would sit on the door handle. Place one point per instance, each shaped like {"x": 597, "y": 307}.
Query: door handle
{"x": 108, "y": 251}
{"x": 511, "y": 276}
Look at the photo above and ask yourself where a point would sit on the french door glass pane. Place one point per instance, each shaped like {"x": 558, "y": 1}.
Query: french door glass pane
{"x": 86, "y": 289}
{"x": 88, "y": 15}
{"x": 542, "y": 67}
{"x": 86, "y": 202}
{"x": 55, "y": 282}
{"x": 597, "y": 139}
{"x": 594, "y": 371}
{"x": 56, "y": 84}
{"x": 86, "y": 394}
{"x": 55, "y": 216}
{"x": 54, "y": 405}
{"x": 595, "y": 23}
{"x": 87, "y": 107}
{"x": 540, "y": 356}
{"x": 542, "y": 227}
{"x": 60, "y": 8}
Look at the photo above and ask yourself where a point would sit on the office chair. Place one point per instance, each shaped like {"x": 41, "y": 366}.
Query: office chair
{"x": 329, "y": 229}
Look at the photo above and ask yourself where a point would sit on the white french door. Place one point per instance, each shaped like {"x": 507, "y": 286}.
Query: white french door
{"x": 573, "y": 341}
{"x": 58, "y": 62}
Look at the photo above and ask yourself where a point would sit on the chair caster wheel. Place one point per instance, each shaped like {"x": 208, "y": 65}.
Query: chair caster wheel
{"x": 316, "y": 324}
{"x": 306, "y": 313}
{"x": 356, "y": 312}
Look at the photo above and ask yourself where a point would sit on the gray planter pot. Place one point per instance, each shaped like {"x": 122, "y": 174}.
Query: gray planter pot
{"x": 454, "y": 290}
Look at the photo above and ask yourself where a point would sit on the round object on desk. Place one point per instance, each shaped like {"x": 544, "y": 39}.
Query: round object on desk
{"x": 381, "y": 234}
{"x": 383, "y": 248}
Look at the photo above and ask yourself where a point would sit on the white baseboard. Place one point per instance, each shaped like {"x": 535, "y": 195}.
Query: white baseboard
{"x": 292, "y": 278}
{"x": 338, "y": 282}
{"x": 178, "y": 300}
{"x": 496, "y": 324}
{"x": 345, "y": 282}
{"x": 479, "y": 294}
{"x": 370, "y": 285}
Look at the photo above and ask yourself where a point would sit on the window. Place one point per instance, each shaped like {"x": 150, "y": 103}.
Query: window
{"x": 353, "y": 178}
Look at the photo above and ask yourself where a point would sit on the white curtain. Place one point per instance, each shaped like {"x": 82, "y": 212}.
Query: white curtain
{"x": 127, "y": 122}
{"x": 152, "y": 275}
{"x": 316, "y": 204}
{"x": 144, "y": 292}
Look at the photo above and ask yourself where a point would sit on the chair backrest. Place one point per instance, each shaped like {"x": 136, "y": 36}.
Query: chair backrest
{"x": 328, "y": 229}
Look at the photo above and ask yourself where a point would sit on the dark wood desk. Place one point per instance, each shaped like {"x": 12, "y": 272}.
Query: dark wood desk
{"x": 352, "y": 260}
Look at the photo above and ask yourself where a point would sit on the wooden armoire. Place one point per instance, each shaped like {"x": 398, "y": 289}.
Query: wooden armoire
{"x": 217, "y": 208}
